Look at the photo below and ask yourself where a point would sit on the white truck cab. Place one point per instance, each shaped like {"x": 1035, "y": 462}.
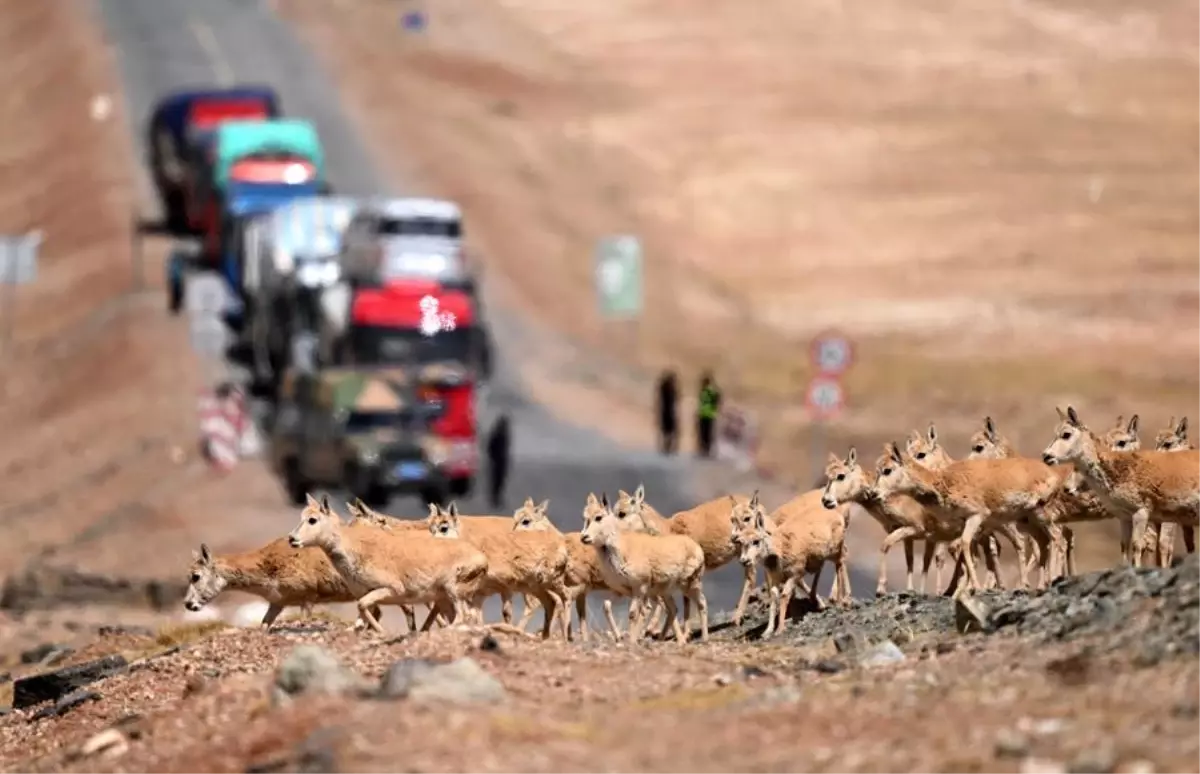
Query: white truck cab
{"x": 410, "y": 237}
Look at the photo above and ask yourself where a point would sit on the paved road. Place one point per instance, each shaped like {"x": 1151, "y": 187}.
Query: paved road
{"x": 168, "y": 44}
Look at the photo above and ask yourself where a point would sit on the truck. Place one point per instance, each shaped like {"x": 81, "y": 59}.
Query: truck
{"x": 183, "y": 122}
{"x": 388, "y": 328}
{"x": 347, "y": 428}
{"x": 249, "y": 168}
{"x": 290, "y": 256}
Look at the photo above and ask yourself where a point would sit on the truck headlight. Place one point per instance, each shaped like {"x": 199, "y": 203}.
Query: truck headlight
{"x": 368, "y": 457}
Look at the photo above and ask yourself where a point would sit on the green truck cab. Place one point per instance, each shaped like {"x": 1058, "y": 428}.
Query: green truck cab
{"x": 348, "y": 429}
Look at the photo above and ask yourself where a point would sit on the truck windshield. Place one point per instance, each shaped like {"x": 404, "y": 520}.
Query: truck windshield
{"x": 370, "y": 345}
{"x": 420, "y": 227}
{"x": 365, "y": 421}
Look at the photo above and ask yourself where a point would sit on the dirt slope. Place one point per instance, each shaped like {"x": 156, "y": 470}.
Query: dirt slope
{"x": 99, "y": 386}
{"x": 1100, "y": 674}
{"x": 998, "y": 202}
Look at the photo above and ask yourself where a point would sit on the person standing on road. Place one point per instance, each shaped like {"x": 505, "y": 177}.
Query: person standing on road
{"x": 706, "y": 413}
{"x": 668, "y": 417}
{"x": 498, "y": 446}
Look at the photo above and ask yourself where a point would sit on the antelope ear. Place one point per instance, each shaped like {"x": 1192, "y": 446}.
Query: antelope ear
{"x": 528, "y": 502}
{"x": 894, "y": 450}
{"x": 754, "y": 499}
{"x": 1072, "y": 417}
{"x": 639, "y": 494}
{"x": 591, "y": 499}
{"x": 760, "y": 520}
{"x": 913, "y": 437}
{"x": 453, "y": 509}
{"x": 543, "y": 506}
{"x": 1181, "y": 430}
{"x": 312, "y": 501}
{"x": 832, "y": 459}
{"x": 1133, "y": 425}
{"x": 604, "y": 500}
{"x": 205, "y": 556}
{"x": 1062, "y": 416}
{"x": 989, "y": 429}
{"x": 932, "y": 433}
{"x": 732, "y": 499}
{"x": 433, "y": 510}
{"x": 852, "y": 457}
{"x": 325, "y": 503}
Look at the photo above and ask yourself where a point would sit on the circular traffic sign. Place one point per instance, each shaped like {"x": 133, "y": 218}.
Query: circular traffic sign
{"x": 824, "y": 396}
{"x": 831, "y": 353}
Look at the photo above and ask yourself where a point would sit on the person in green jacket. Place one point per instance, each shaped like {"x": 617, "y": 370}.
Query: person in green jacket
{"x": 706, "y": 413}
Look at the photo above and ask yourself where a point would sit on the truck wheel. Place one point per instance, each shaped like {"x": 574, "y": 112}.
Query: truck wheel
{"x": 375, "y": 496}
{"x": 294, "y": 483}
{"x": 433, "y": 496}
{"x": 461, "y": 487}
{"x": 176, "y": 215}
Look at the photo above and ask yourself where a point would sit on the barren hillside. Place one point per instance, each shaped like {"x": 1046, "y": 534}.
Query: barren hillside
{"x": 99, "y": 385}
{"x": 998, "y": 202}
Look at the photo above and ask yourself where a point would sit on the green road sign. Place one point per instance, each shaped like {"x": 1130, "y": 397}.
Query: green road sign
{"x": 619, "y": 276}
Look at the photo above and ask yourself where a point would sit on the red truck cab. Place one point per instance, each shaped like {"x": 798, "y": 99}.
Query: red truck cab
{"x": 431, "y": 334}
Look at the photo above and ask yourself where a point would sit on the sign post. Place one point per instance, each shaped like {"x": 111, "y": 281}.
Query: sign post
{"x": 18, "y": 266}
{"x": 619, "y": 277}
{"x": 831, "y": 355}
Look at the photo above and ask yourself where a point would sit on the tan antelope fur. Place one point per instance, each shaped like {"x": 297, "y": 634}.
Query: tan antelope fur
{"x": 973, "y": 495}
{"x": 1173, "y": 438}
{"x": 927, "y": 451}
{"x": 788, "y": 551}
{"x": 807, "y": 507}
{"x": 901, "y": 517}
{"x": 651, "y": 566}
{"x": 1073, "y": 503}
{"x": 634, "y": 506}
{"x": 1138, "y": 487}
{"x": 583, "y": 573}
{"x": 276, "y": 572}
{"x": 394, "y": 567}
{"x": 530, "y": 562}
{"x": 497, "y": 523}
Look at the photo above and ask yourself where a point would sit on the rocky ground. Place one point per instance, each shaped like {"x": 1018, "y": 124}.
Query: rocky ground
{"x": 1099, "y": 673}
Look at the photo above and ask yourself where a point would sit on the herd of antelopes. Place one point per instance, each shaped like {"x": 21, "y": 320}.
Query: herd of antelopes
{"x": 452, "y": 562}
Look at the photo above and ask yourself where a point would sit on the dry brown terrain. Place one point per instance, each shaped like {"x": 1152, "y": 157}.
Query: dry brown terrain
{"x": 1097, "y": 676}
{"x": 98, "y": 388}
{"x": 997, "y": 201}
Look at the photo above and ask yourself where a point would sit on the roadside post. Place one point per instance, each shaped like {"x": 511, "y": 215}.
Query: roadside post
{"x": 831, "y": 355}
{"x": 619, "y": 291}
{"x": 18, "y": 266}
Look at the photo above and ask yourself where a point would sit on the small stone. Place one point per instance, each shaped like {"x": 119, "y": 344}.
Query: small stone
{"x": 1071, "y": 670}
{"x": 1011, "y": 744}
{"x": 945, "y": 646}
{"x": 1148, "y": 656}
{"x": 1042, "y": 766}
{"x": 1139, "y": 766}
{"x": 1097, "y": 759}
{"x": 460, "y": 681}
{"x": 971, "y": 615}
{"x": 109, "y": 743}
{"x": 723, "y": 679}
{"x": 194, "y": 685}
{"x": 902, "y": 635}
{"x": 828, "y": 666}
{"x": 883, "y": 654}
{"x": 750, "y": 672}
{"x": 489, "y": 644}
{"x": 1186, "y": 709}
{"x": 312, "y": 669}
{"x": 847, "y": 641}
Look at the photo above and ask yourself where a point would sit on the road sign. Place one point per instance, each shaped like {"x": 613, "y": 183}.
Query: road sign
{"x": 19, "y": 258}
{"x": 619, "y": 276}
{"x": 413, "y": 21}
{"x": 831, "y": 353}
{"x": 825, "y": 397}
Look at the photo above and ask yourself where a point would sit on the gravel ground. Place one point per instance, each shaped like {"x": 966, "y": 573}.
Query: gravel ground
{"x": 1099, "y": 673}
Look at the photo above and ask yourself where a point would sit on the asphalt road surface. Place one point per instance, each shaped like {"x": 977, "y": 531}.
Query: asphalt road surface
{"x": 164, "y": 45}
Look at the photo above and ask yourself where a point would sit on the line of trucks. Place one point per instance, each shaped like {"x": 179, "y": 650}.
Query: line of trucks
{"x": 331, "y": 299}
